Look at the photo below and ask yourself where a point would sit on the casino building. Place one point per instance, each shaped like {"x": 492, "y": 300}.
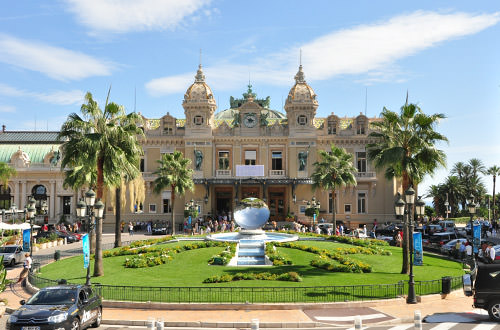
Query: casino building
{"x": 248, "y": 150}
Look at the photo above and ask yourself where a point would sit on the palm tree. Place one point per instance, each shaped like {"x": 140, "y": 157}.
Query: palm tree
{"x": 6, "y": 172}
{"x": 454, "y": 188}
{"x": 494, "y": 171}
{"x": 405, "y": 148}
{"x": 437, "y": 198}
{"x": 334, "y": 169}
{"x": 174, "y": 173}
{"x": 99, "y": 148}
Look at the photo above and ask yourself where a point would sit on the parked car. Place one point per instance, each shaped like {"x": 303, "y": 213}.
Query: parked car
{"x": 59, "y": 307}
{"x": 70, "y": 238}
{"x": 389, "y": 229}
{"x": 324, "y": 228}
{"x": 12, "y": 254}
{"x": 447, "y": 225}
{"x": 435, "y": 241}
{"x": 358, "y": 233}
{"x": 449, "y": 248}
{"x": 159, "y": 228}
{"x": 483, "y": 283}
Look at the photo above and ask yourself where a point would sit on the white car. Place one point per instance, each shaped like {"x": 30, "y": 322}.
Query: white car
{"x": 12, "y": 254}
{"x": 358, "y": 233}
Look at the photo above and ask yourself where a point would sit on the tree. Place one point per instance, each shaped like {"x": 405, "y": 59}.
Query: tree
{"x": 334, "y": 169}
{"x": 100, "y": 147}
{"x": 6, "y": 172}
{"x": 174, "y": 173}
{"x": 494, "y": 171}
{"x": 405, "y": 148}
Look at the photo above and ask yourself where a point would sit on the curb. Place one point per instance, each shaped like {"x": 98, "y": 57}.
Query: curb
{"x": 219, "y": 325}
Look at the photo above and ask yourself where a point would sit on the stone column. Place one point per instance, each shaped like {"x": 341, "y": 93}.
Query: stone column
{"x": 52, "y": 199}
{"x": 22, "y": 199}
{"x": 17, "y": 195}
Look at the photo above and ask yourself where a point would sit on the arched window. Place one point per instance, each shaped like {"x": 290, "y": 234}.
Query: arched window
{"x": 39, "y": 193}
{"x": 5, "y": 197}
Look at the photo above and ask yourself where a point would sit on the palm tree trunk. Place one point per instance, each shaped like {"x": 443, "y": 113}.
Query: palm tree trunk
{"x": 173, "y": 208}
{"x": 334, "y": 212}
{"x": 494, "y": 210}
{"x": 98, "y": 267}
{"x": 118, "y": 217}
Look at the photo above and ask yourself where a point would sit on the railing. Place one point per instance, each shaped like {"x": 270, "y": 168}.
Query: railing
{"x": 274, "y": 173}
{"x": 365, "y": 175}
{"x": 223, "y": 173}
{"x": 241, "y": 295}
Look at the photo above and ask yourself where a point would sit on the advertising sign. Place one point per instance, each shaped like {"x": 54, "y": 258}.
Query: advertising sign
{"x": 86, "y": 250}
{"x": 26, "y": 240}
{"x": 418, "y": 251}
{"x": 476, "y": 239}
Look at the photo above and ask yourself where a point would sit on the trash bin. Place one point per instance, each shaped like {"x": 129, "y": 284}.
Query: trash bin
{"x": 446, "y": 284}
{"x": 57, "y": 255}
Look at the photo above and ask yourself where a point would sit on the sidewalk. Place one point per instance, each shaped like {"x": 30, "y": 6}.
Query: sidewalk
{"x": 242, "y": 316}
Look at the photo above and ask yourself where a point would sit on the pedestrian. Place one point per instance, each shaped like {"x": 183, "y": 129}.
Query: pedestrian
{"x": 26, "y": 268}
{"x": 491, "y": 255}
{"x": 130, "y": 228}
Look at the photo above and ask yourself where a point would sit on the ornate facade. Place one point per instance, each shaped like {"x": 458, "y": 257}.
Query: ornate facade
{"x": 244, "y": 151}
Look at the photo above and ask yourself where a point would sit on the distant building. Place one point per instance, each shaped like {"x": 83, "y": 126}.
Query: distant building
{"x": 247, "y": 150}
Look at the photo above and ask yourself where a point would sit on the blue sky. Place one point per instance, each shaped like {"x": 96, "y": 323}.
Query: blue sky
{"x": 445, "y": 53}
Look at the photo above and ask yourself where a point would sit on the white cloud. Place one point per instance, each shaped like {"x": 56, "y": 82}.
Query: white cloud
{"x": 370, "y": 50}
{"x": 7, "y": 108}
{"x": 57, "y": 63}
{"x": 132, "y": 15}
{"x": 55, "y": 97}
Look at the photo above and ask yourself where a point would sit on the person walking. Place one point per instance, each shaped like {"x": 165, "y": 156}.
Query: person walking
{"x": 130, "y": 228}
{"x": 26, "y": 268}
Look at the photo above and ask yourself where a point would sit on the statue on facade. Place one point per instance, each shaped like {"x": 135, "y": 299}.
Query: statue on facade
{"x": 263, "y": 118}
{"x": 236, "y": 119}
{"x": 198, "y": 155}
{"x": 302, "y": 160}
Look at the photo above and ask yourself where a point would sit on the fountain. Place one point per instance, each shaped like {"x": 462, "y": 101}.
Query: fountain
{"x": 251, "y": 214}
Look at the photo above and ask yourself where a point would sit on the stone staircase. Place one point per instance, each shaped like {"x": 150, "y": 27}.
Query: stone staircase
{"x": 251, "y": 253}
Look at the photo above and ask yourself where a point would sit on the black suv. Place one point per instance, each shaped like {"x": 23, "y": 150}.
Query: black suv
{"x": 483, "y": 283}
{"x": 72, "y": 307}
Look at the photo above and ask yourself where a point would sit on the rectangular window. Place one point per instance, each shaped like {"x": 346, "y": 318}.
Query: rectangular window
{"x": 250, "y": 157}
{"x": 332, "y": 127}
{"x": 167, "y": 206}
{"x": 347, "y": 208}
{"x": 168, "y": 130}
{"x": 361, "y": 202}
{"x": 223, "y": 160}
{"x": 302, "y": 209}
{"x": 277, "y": 160}
{"x": 66, "y": 204}
{"x": 152, "y": 208}
{"x": 141, "y": 166}
{"x": 361, "y": 161}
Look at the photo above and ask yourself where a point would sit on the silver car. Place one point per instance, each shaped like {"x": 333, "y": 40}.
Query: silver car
{"x": 12, "y": 254}
{"x": 449, "y": 247}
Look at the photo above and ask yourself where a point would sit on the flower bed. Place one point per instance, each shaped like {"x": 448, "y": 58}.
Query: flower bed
{"x": 290, "y": 276}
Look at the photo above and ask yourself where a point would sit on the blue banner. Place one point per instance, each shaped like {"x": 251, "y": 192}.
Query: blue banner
{"x": 476, "y": 239}
{"x": 418, "y": 251}
{"x": 86, "y": 250}
{"x": 314, "y": 217}
{"x": 26, "y": 240}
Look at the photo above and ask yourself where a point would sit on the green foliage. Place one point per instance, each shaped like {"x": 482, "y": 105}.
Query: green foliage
{"x": 311, "y": 211}
{"x": 277, "y": 258}
{"x": 224, "y": 257}
{"x": 193, "y": 212}
{"x": 290, "y": 277}
{"x": 3, "y": 275}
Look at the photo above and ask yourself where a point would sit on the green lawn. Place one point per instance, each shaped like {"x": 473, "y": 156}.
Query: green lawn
{"x": 190, "y": 268}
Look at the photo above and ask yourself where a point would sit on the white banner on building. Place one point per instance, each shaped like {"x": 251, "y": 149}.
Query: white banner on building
{"x": 249, "y": 170}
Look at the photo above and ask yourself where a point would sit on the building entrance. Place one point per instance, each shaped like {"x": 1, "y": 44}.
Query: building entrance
{"x": 247, "y": 192}
{"x": 277, "y": 205}
{"x": 223, "y": 201}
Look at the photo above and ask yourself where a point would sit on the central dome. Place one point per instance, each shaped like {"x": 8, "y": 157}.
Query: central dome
{"x": 252, "y": 213}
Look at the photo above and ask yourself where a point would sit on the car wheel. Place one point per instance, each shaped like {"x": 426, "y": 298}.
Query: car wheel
{"x": 97, "y": 321}
{"x": 75, "y": 324}
{"x": 13, "y": 262}
{"x": 494, "y": 311}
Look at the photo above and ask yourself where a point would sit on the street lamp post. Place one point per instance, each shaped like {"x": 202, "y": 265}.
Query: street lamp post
{"x": 315, "y": 206}
{"x": 90, "y": 209}
{"x": 472, "y": 210}
{"x": 405, "y": 207}
{"x": 191, "y": 209}
{"x": 31, "y": 215}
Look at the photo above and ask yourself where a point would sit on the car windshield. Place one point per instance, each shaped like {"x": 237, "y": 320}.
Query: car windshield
{"x": 8, "y": 249}
{"x": 158, "y": 225}
{"x": 53, "y": 297}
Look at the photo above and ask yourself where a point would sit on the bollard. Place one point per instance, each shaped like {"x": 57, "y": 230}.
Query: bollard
{"x": 150, "y": 323}
{"x": 418, "y": 320}
{"x": 159, "y": 324}
{"x": 358, "y": 324}
{"x": 255, "y": 324}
